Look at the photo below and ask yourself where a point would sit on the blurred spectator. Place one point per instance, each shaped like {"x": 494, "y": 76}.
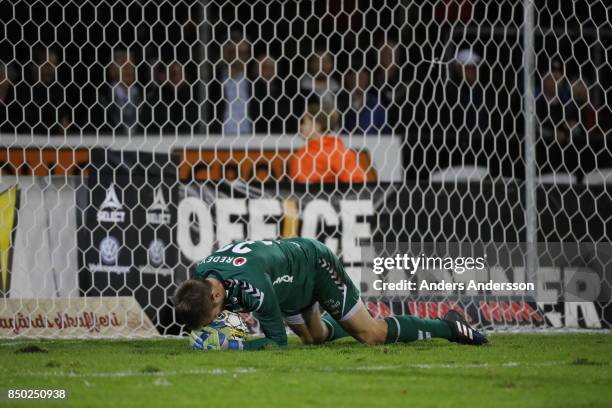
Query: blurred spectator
{"x": 387, "y": 74}
{"x": 465, "y": 94}
{"x": 556, "y": 115}
{"x": 6, "y": 99}
{"x": 177, "y": 100}
{"x": 324, "y": 157}
{"x": 154, "y": 98}
{"x": 456, "y": 116}
{"x": 360, "y": 105}
{"x": 170, "y": 97}
{"x": 6, "y": 87}
{"x": 387, "y": 78}
{"x": 230, "y": 90}
{"x": 552, "y": 97}
{"x": 45, "y": 109}
{"x": 270, "y": 107}
{"x": 123, "y": 97}
{"x": 319, "y": 82}
{"x": 585, "y": 118}
{"x": 453, "y": 11}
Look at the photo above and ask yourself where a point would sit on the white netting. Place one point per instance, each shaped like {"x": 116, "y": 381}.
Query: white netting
{"x": 170, "y": 128}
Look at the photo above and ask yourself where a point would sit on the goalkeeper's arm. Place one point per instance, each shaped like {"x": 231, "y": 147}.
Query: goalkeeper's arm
{"x": 270, "y": 320}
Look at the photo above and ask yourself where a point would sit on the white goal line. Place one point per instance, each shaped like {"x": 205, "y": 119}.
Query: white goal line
{"x": 251, "y": 370}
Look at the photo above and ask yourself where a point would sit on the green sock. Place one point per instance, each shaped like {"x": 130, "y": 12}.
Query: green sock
{"x": 335, "y": 330}
{"x": 409, "y": 328}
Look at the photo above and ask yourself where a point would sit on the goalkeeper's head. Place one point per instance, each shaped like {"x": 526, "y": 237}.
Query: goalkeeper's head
{"x": 198, "y": 302}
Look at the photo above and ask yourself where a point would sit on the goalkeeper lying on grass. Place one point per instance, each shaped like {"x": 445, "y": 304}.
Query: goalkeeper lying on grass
{"x": 289, "y": 279}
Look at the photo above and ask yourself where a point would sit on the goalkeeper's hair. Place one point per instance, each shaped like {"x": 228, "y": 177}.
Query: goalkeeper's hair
{"x": 193, "y": 302}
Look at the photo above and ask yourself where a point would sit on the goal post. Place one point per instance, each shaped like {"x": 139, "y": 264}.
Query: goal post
{"x": 136, "y": 137}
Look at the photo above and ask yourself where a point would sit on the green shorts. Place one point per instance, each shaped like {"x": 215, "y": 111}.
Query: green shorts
{"x": 333, "y": 288}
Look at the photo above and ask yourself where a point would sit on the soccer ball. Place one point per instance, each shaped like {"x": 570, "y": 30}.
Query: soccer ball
{"x": 231, "y": 325}
{"x": 228, "y": 330}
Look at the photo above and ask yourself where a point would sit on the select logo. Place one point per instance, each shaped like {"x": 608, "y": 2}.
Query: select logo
{"x": 111, "y": 209}
{"x": 157, "y": 213}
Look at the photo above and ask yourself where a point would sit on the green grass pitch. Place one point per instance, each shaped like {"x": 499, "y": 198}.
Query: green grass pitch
{"x": 527, "y": 370}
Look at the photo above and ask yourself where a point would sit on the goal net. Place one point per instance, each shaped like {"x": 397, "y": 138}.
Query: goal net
{"x": 454, "y": 153}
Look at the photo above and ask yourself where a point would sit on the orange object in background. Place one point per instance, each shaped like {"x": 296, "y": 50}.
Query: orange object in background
{"x": 44, "y": 162}
{"x": 326, "y": 159}
{"x": 245, "y": 165}
{"x": 195, "y": 164}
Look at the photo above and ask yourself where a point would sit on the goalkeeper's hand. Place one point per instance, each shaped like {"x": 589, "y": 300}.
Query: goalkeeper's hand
{"x": 212, "y": 339}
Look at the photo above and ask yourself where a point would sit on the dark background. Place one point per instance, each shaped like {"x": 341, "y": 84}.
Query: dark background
{"x": 576, "y": 34}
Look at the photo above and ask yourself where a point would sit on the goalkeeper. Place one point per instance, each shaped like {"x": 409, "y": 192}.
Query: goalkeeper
{"x": 287, "y": 280}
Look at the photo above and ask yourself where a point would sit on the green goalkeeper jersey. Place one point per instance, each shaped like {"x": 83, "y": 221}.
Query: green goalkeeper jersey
{"x": 268, "y": 278}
